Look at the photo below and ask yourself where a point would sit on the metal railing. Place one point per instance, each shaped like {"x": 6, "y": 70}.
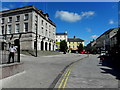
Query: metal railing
{"x": 4, "y": 55}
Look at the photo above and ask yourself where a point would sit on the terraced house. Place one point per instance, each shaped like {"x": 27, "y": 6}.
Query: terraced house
{"x": 73, "y": 44}
{"x": 28, "y": 25}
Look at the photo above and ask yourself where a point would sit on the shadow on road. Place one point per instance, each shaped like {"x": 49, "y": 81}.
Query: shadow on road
{"x": 111, "y": 68}
{"x": 111, "y": 71}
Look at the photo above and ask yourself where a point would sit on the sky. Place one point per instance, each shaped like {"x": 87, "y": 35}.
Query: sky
{"x": 85, "y": 20}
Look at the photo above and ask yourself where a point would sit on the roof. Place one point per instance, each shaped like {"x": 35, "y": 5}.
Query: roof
{"x": 106, "y": 32}
{"x": 75, "y": 40}
{"x": 61, "y": 33}
{"x": 43, "y": 15}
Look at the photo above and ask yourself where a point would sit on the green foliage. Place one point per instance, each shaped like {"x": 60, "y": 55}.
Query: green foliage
{"x": 80, "y": 47}
{"x": 63, "y": 46}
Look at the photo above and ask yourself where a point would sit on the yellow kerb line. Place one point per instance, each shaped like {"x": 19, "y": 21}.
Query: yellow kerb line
{"x": 65, "y": 78}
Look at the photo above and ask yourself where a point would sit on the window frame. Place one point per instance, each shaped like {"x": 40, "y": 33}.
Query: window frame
{"x": 25, "y": 28}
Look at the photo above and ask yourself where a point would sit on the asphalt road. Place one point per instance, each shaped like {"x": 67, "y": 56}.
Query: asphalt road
{"x": 62, "y": 71}
{"x": 88, "y": 73}
{"x": 40, "y": 72}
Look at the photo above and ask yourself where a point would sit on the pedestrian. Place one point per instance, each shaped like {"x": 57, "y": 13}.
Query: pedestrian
{"x": 12, "y": 51}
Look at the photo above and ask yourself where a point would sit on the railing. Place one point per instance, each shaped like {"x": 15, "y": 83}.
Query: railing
{"x": 4, "y": 57}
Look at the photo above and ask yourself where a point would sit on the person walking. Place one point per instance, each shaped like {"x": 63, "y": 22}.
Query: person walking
{"x": 12, "y": 51}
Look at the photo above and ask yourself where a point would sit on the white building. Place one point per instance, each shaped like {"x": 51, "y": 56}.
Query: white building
{"x": 24, "y": 24}
{"x": 60, "y": 37}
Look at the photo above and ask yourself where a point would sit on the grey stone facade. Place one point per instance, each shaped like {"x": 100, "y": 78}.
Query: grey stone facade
{"x": 23, "y": 23}
{"x": 107, "y": 40}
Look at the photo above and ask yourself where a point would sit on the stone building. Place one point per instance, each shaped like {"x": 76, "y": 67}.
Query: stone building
{"x": 113, "y": 37}
{"x": 59, "y": 38}
{"x": 107, "y": 40}
{"x": 24, "y": 24}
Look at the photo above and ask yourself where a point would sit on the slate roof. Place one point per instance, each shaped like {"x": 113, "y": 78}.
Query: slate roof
{"x": 61, "y": 33}
{"x": 75, "y": 40}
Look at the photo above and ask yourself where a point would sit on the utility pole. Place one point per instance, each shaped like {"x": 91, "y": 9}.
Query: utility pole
{"x": 36, "y": 40}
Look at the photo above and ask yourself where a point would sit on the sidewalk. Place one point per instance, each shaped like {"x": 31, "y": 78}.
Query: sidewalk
{"x": 40, "y": 72}
{"x": 88, "y": 74}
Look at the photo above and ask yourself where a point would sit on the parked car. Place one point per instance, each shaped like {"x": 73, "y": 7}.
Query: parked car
{"x": 83, "y": 52}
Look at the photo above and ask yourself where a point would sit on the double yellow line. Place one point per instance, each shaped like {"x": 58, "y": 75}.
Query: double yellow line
{"x": 64, "y": 80}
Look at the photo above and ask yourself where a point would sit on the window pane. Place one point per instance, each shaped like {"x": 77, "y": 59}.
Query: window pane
{"x": 42, "y": 22}
{"x": 2, "y": 29}
{"x": 10, "y": 19}
{"x": 2, "y": 21}
{"x": 17, "y": 28}
{"x": 26, "y": 27}
{"x": 26, "y": 17}
{"x": 9, "y": 29}
{"x": 17, "y": 18}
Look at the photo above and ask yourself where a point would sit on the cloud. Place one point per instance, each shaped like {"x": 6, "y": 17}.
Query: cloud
{"x": 111, "y": 22}
{"x": 3, "y": 9}
{"x": 71, "y": 16}
{"x": 89, "y": 30}
{"x": 94, "y": 36}
{"x": 87, "y": 14}
{"x": 67, "y": 16}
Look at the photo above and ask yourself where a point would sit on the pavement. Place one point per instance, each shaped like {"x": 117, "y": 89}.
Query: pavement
{"x": 40, "y": 72}
{"x": 88, "y": 73}
{"x": 62, "y": 71}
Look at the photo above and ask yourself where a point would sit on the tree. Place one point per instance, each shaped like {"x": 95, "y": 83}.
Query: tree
{"x": 63, "y": 46}
{"x": 80, "y": 47}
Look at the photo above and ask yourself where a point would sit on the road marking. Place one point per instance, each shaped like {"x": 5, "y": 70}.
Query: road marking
{"x": 65, "y": 79}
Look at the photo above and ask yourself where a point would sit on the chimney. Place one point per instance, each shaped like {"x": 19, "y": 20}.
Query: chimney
{"x": 74, "y": 36}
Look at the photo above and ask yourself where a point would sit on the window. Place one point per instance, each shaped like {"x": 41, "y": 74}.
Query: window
{"x": 49, "y": 33}
{"x": 42, "y": 22}
{"x": 17, "y": 18}
{"x": 42, "y": 29}
{"x": 26, "y": 27}
{"x": 46, "y": 33}
{"x": 3, "y": 21}
{"x": 9, "y": 29}
{"x": 73, "y": 46}
{"x": 36, "y": 18}
{"x": 26, "y": 17}
{"x": 35, "y": 26}
{"x": 10, "y": 19}
{"x": 2, "y": 29}
{"x": 17, "y": 28}
{"x": 46, "y": 25}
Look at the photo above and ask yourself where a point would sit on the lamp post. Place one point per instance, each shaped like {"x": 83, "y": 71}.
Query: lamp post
{"x": 36, "y": 40}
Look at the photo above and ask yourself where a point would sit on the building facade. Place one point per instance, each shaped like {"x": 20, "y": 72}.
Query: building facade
{"x": 113, "y": 37}
{"x": 30, "y": 26}
{"x": 60, "y": 37}
{"x": 73, "y": 44}
{"x": 107, "y": 40}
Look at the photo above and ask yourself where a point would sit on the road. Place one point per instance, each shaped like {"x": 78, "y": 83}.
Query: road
{"x": 88, "y": 73}
{"x": 48, "y": 72}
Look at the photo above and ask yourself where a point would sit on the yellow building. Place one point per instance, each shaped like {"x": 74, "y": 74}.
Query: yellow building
{"x": 73, "y": 44}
